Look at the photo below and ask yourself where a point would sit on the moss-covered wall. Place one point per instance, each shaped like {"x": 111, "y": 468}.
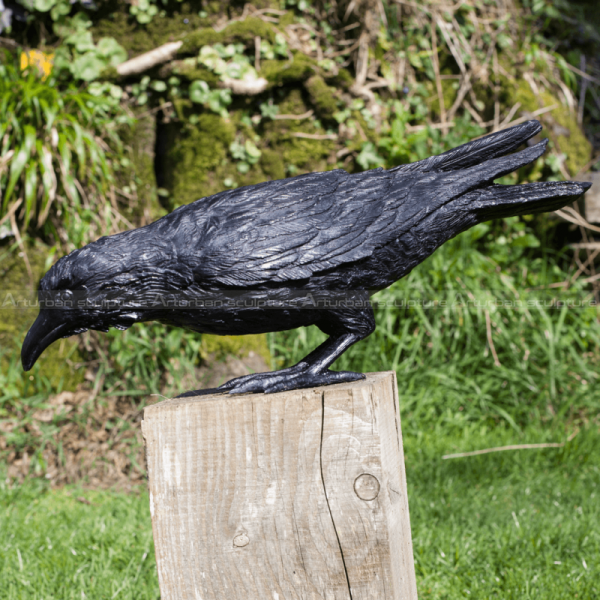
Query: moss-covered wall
{"x": 220, "y": 346}
{"x": 61, "y": 364}
{"x": 196, "y": 160}
{"x": 560, "y": 124}
{"x": 139, "y": 175}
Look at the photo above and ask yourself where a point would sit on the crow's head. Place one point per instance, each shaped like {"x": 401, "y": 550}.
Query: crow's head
{"x": 85, "y": 290}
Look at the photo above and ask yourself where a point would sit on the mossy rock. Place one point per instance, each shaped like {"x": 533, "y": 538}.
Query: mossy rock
{"x": 286, "y": 72}
{"x": 567, "y": 134}
{"x": 56, "y": 364}
{"x": 560, "y": 125}
{"x": 193, "y": 72}
{"x": 240, "y": 31}
{"x": 137, "y": 38}
{"x": 141, "y": 141}
{"x": 342, "y": 79}
{"x": 305, "y": 154}
{"x": 196, "y": 160}
{"x": 322, "y": 96}
{"x": 194, "y": 157}
{"x": 272, "y": 163}
{"x": 221, "y": 346}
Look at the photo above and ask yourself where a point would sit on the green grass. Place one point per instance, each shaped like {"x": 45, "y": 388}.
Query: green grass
{"x": 522, "y": 524}
{"x": 492, "y": 526}
{"x": 489, "y": 526}
{"x": 54, "y": 547}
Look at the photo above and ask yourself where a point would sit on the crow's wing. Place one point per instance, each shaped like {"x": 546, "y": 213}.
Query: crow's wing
{"x": 289, "y": 229}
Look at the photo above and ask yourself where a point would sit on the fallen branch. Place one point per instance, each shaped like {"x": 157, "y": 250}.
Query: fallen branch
{"x": 8, "y": 43}
{"x": 343, "y": 152}
{"x": 465, "y": 86}
{"x": 245, "y": 87}
{"x": 438, "y": 81}
{"x": 315, "y": 136}
{"x": 592, "y": 278}
{"x": 490, "y": 339}
{"x": 11, "y": 210}
{"x": 503, "y": 449}
{"x": 585, "y": 246}
{"x": 536, "y": 113}
{"x": 587, "y": 165}
{"x": 306, "y": 115}
{"x": 583, "y": 267}
{"x": 146, "y": 61}
{"x": 579, "y": 220}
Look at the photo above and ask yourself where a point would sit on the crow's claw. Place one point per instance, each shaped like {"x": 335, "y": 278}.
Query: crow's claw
{"x": 287, "y": 379}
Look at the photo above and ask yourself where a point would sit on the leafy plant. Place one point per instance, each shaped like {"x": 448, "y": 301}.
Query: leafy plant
{"x": 216, "y": 100}
{"x": 247, "y": 153}
{"x": 227, "y": 61}
{"x": 144, "y": 354}
{"x": 269, "y": 110}
{"x": 78, "y": 56}
{"x": 141, "y": 90}
{"x": 143, "y": 10}
{"x": 55, "y": 147}
{"x": 368, "y": 157}
{"x": 279, "y": 48}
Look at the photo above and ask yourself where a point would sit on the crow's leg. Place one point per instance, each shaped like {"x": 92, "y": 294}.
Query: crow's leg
{"x": 345, "y": 327}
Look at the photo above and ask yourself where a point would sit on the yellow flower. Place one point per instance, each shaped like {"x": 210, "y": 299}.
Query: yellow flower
{"x": 42, "y": 60}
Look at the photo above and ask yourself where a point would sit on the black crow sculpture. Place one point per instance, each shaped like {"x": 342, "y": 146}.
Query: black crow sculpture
{"x": 321, "y": 234}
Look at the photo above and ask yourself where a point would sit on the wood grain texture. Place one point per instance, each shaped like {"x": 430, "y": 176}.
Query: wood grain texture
{"x": 298, "y": 495}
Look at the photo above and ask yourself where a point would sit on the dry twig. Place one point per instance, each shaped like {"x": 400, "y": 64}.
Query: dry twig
{"x": 315, "y": 136}
{"x": 438, "y": 81}
{"x": 306, "y": 115}
{"x": 488, "y": 326}
{"x": 503, "y": 449}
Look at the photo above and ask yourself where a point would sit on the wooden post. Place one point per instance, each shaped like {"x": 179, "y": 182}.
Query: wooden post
{"x": 298, "y": 495}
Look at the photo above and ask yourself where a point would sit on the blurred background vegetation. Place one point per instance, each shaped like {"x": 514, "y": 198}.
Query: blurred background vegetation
{"x": 495, "y": 337}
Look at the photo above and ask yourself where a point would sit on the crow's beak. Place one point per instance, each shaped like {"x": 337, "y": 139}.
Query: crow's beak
{"x": 48, "y": 327}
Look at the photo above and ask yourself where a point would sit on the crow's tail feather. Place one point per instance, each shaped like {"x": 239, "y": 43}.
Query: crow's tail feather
{"x": 473, "y": 153}
{"x": 498, "y": 201}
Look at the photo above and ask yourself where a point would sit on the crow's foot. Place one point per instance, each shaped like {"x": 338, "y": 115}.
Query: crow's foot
{"x": 298, "y": 376}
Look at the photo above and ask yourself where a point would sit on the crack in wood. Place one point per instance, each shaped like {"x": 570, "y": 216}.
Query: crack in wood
{"x": 327, "y": 498}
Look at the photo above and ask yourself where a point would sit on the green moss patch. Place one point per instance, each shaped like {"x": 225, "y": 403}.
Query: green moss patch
{"x": 305, "y": 154}
{"x": 567, "y": 135}
{"x": 137, "y": 38}
{"x": 58, "y": 363}
{"x": 193, "y": 164}
{"x": 240, "y": 31}
{"x": 284, "y": 72}
{"x": 322, "y": 96}
{"x": 560, "y": 125}
{"x": 192, "y": 71}
{"x": 221, "y": 346}
{"x": 140, "y": 141}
